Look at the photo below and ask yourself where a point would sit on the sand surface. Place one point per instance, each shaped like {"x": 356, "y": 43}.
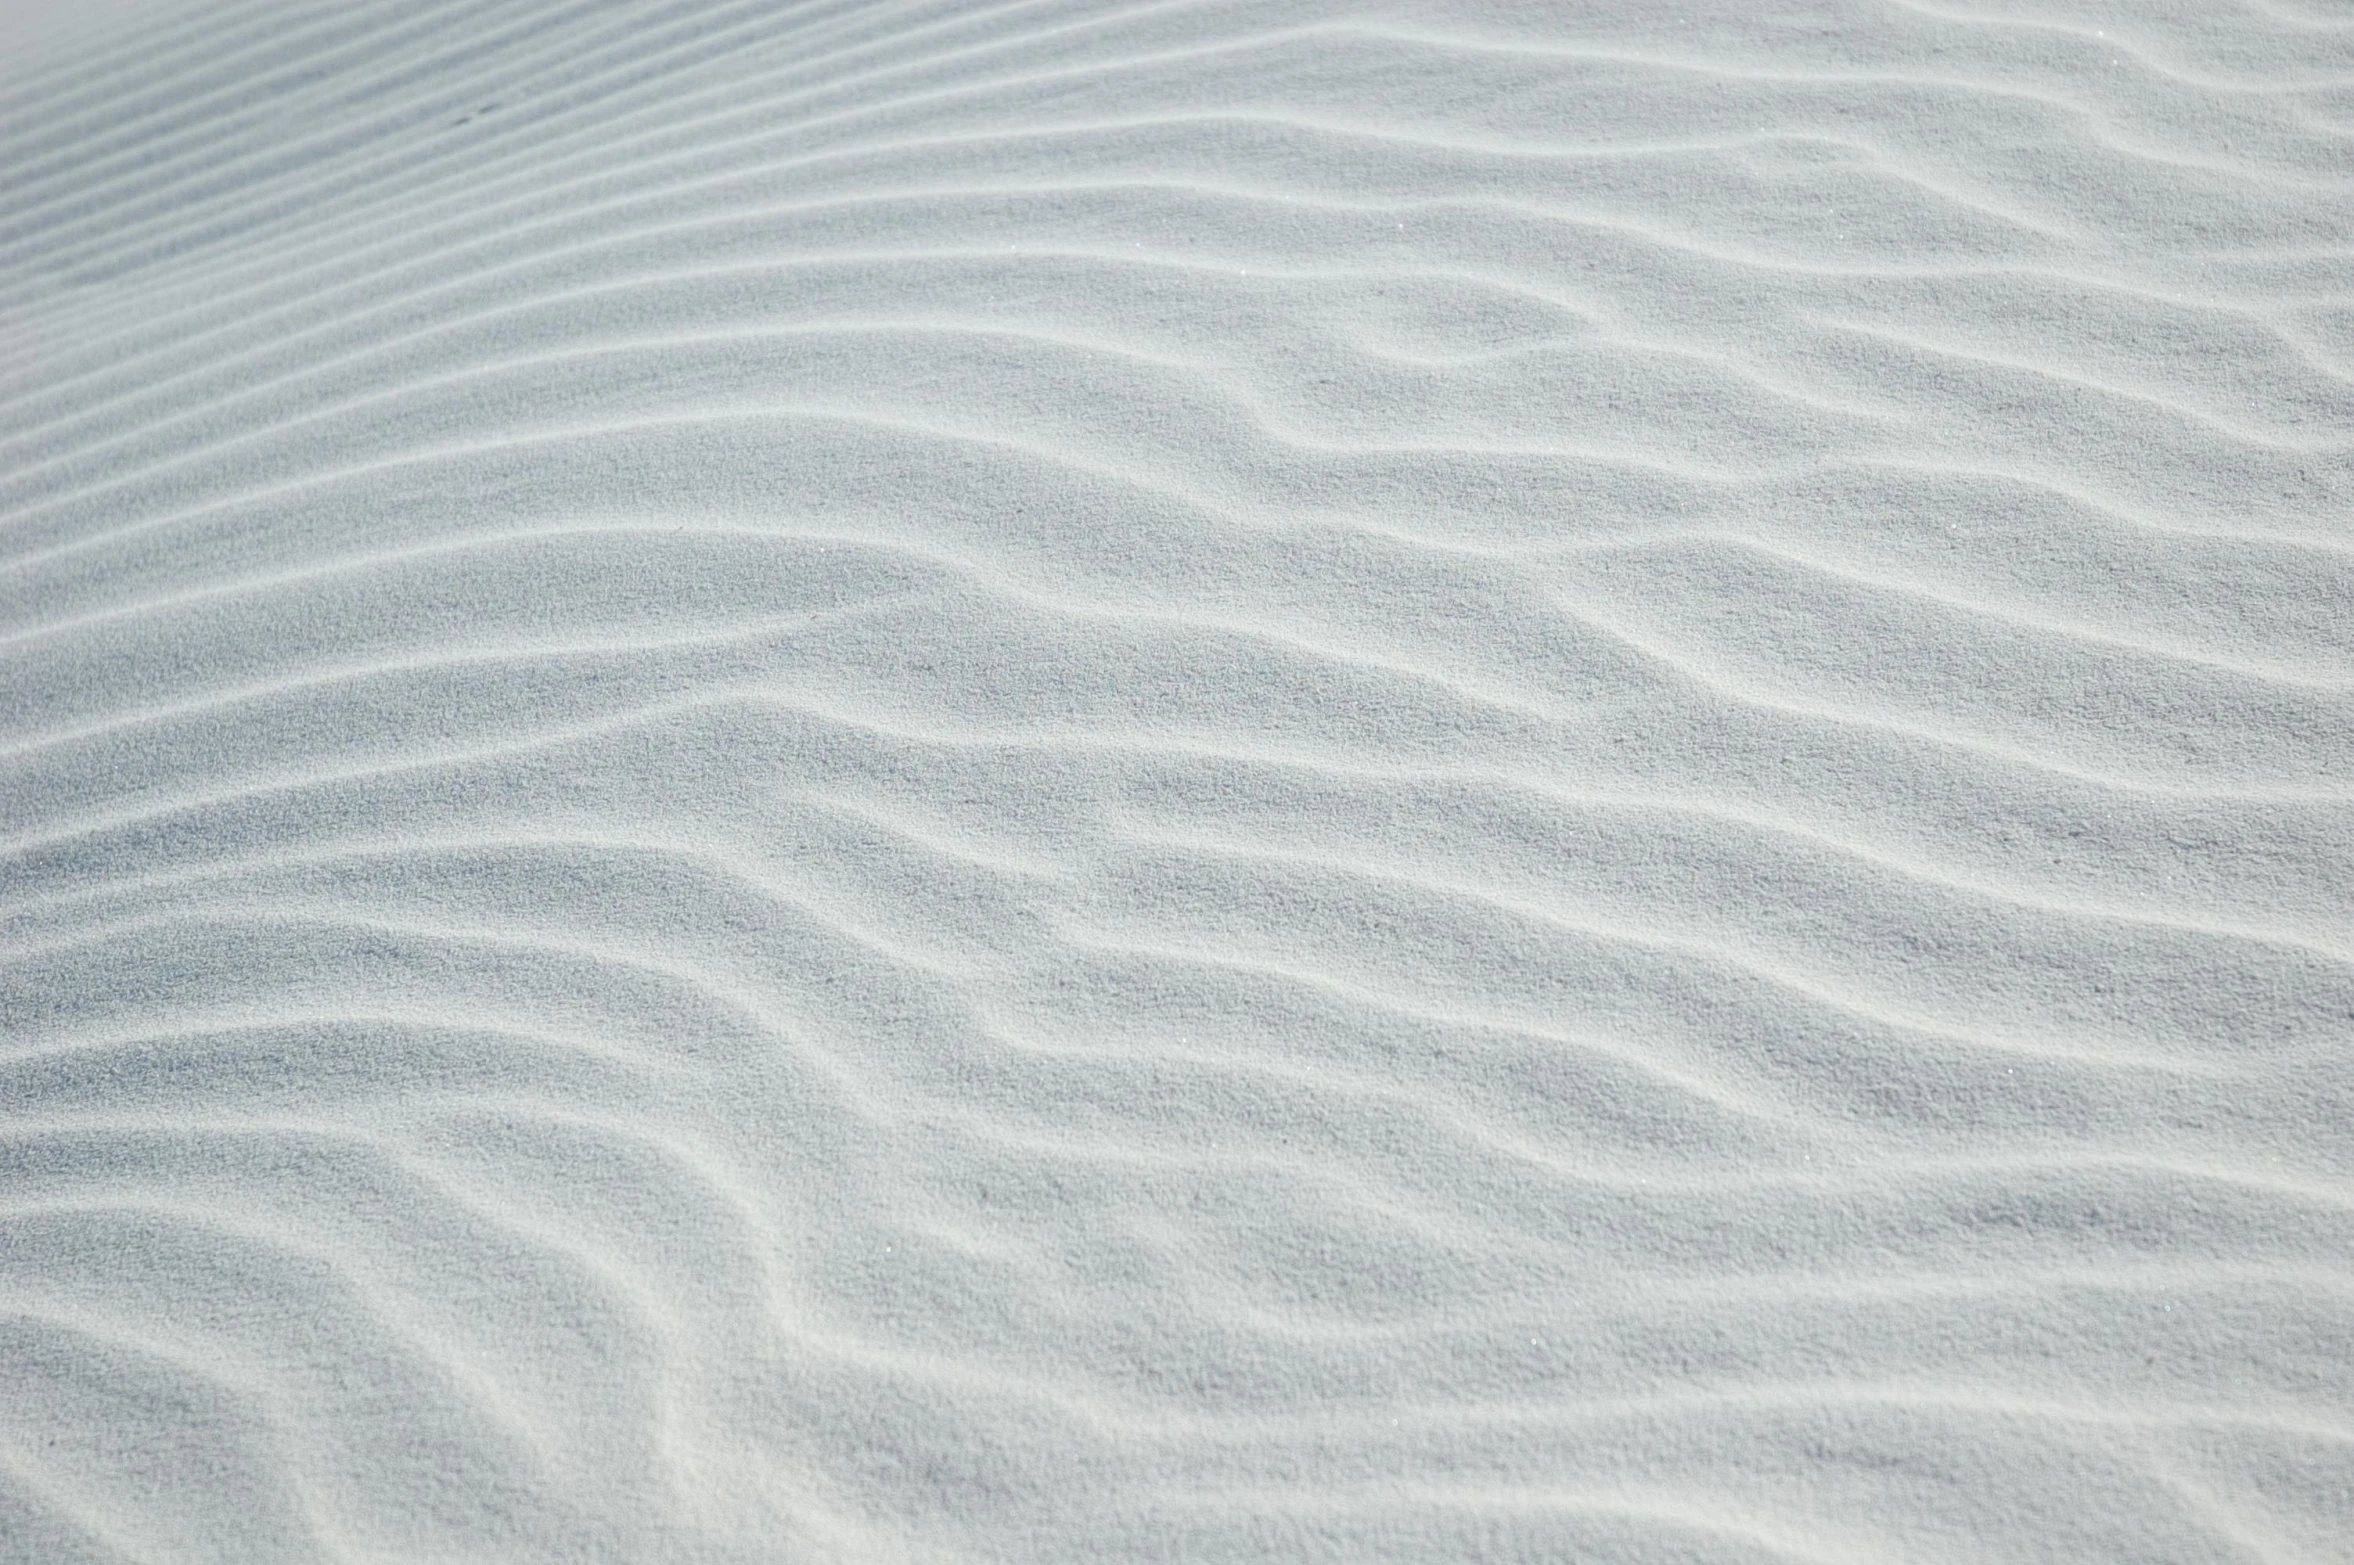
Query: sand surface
{"x": 1097, "y": 782}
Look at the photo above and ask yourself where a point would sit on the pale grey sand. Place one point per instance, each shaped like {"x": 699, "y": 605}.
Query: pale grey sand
{"x": 1183, "y": 782}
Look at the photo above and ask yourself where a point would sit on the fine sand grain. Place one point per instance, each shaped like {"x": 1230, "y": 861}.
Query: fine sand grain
{"x": 1247, "y": 781}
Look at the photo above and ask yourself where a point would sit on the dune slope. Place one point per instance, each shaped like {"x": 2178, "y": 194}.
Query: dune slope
{"x": 1033, "y": 781}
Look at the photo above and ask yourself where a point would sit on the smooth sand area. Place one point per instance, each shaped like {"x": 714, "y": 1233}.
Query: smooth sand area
{"x": 1249, "y": 781}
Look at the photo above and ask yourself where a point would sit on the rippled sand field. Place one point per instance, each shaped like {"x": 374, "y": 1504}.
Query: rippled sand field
{"x": 1259, "y": 782}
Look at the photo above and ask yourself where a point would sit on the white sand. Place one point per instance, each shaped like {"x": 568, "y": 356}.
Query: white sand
{"x": 1218, "y": 782}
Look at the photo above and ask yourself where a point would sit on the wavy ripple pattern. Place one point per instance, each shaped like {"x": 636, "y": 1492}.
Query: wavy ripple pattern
{"x": 1087, "y": 780}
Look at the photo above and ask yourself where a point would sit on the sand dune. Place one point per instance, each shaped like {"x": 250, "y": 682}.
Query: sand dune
{"x": 1069, "y": 781}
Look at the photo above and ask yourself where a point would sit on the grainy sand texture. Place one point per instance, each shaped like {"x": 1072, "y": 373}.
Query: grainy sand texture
{"x": 1244, "y": 781}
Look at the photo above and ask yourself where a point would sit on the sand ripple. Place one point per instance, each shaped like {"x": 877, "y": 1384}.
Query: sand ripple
{"x": 1177, "y": 782}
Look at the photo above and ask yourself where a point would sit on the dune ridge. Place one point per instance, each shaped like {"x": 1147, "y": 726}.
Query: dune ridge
{"x": 1177, "y": 781}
